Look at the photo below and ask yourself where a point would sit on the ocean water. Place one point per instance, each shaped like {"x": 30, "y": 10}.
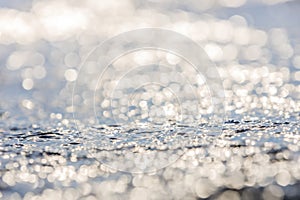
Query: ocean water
{"x": 83, "y": 119}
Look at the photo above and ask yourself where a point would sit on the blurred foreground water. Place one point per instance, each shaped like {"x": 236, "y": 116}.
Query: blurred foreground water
{"x": 45, "y": 154}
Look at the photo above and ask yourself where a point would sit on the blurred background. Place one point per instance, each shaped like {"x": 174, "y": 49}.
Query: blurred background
{"x": 255, "y": 45}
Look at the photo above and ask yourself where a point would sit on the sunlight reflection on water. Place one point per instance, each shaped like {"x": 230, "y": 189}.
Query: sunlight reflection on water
{"x": 44, "y": 156}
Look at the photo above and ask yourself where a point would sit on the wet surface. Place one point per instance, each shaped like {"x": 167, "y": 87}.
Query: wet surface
{"x": 250, "y": 159}
{"x": 46, "y": 152}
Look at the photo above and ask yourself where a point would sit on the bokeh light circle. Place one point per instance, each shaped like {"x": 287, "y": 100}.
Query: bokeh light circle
{"x": 149, "y": 83}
